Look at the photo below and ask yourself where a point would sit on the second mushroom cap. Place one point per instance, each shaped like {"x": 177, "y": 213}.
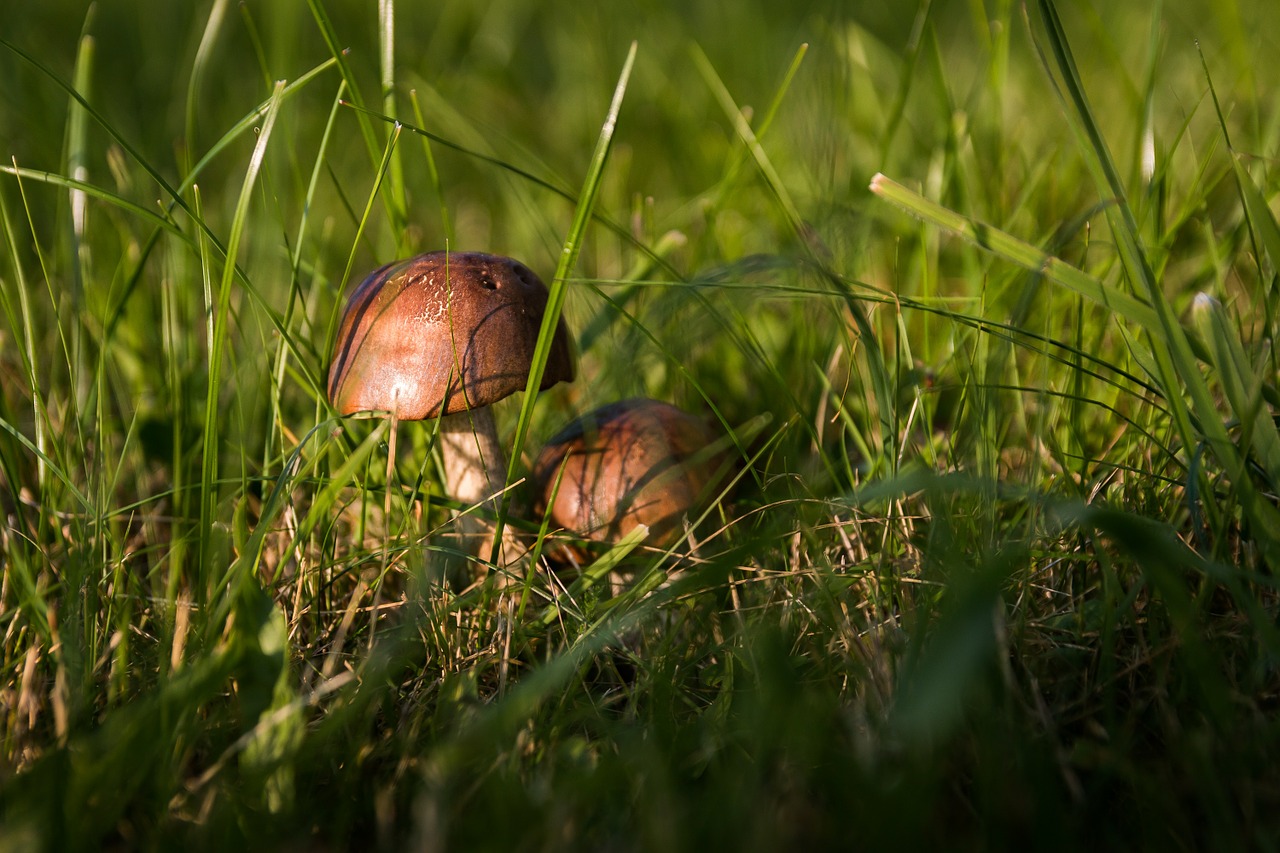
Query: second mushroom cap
{"x": 637, "y": 461}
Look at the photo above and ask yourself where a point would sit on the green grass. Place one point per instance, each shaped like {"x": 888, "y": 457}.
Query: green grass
{"x": 983, "y": 297}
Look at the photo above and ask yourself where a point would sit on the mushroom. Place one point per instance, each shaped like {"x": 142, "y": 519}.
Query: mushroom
{"x": 637, "y": 461}
{"x": 446, "y": 335}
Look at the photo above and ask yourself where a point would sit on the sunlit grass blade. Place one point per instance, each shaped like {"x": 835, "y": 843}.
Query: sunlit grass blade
{"x": 370, "y": 201}
{"x": 582, "y": 217}
{"x": 77, "y": 161}
{"x": 395, "y": 213}
{"x": 398, "y": 203}
{"x": 595, "y": 572}
{"x": 429, "y": 155}
{"x": 220, "y": 321}
{"x": 1018, "y": 252}
{"x": 212, "y": 27}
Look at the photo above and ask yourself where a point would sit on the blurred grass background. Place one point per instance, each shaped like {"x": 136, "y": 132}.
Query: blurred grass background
{"x": 999, "y": 569}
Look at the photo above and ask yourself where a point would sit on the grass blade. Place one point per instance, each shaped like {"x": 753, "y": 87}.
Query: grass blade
{"x": 340, "y": 56}
{"x": 221, "y": 320}
{"x": 1019, "y": 252}
{"x": 582, "y": 216}
{"x": 50, "y": 466}
{"x": 213, "y": 25}
{"x": 749, "y": 138}
{"x": 654, "y": 255}
{"x": 21, "y": 327}
{"x": 1241, "y": 384}
{"x": 882, "y": 386}
{"x": 397, "y": 201}
{"x": 434, "y": 173}
{"x": 594, "y": 573}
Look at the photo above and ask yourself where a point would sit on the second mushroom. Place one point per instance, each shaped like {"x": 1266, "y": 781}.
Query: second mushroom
{"x": 633, "y": 462}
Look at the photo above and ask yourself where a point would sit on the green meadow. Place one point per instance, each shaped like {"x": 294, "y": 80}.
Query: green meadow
{"x": 981, "y": 297}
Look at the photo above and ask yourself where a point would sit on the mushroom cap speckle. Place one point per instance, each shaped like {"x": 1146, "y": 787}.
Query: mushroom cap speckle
{"x": 637, "y": 461}
{"x": 441, "y": 333}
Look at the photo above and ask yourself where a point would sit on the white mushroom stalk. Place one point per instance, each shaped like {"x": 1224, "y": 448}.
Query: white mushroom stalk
{"x": 475, "y": 468}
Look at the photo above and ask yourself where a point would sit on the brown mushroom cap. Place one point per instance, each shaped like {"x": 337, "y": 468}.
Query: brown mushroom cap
{"x": 441, "y": 333}
{"x": 633, "y": 462}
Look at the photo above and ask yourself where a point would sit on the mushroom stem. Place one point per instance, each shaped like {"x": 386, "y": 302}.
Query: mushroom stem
{"x": 475, "y": 472}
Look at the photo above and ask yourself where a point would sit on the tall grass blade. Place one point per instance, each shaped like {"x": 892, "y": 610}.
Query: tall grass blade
{"x": 20, "y": 325}
{"x": 882, "y": 386}
{"x": 906, "y": 78}
{"x": 152, "y": 172}
{"x": 1262, "y": 222}
{"x": 594, "y": 573}
{"x": 387, "y": 71}
{"x": 655, "y": 256}
{"x": 288, "y": 342}
{"x": 1258, "y": 216}
{"x": 220, "y": 331}
{"x": 740, "y": 125}
{"x": 582, "y": 216}
{"x": 740, "y": 155}
{"x": 374, "y": 192}
{"x": 204, "y": 52}
{"x": 88, "y": 190}
{"x": 77, "y": 167}
{"x": 324, "y": 502}
{"x": 433, "y": 172}
{"x": 51, "y": 467}
{"x": 340, "y": 56}
{"x": 175, "y": 195}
